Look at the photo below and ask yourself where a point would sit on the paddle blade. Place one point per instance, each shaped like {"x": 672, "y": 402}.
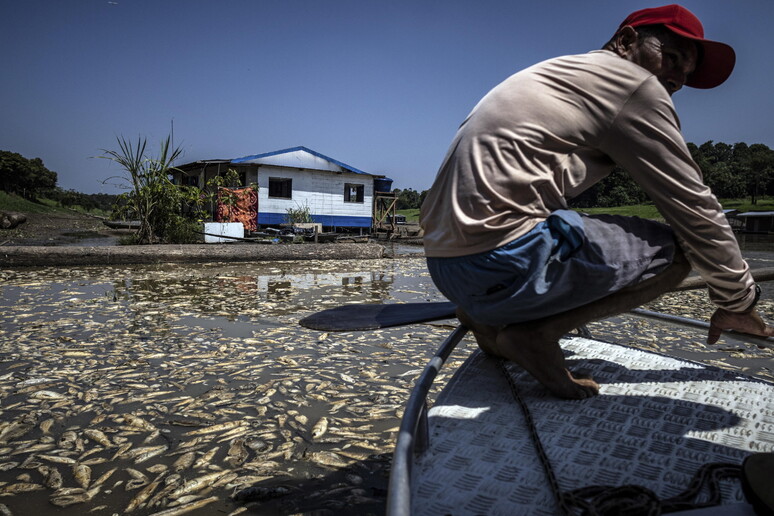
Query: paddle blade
{"x": 373, "y": 316}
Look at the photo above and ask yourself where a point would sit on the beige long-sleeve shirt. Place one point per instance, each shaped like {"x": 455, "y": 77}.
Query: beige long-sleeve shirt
{"x": 553, "y": 130}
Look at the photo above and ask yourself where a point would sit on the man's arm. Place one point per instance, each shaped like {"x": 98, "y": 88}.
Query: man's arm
{"x": 646, "y": 141}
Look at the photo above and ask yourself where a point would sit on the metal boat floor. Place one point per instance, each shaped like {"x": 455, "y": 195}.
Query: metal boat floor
{"x": 656, "y": 420}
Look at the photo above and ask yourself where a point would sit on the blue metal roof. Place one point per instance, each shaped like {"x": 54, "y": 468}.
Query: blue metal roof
{"x": 258, "y": 157}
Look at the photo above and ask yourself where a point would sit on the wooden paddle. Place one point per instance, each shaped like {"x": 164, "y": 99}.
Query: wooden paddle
{"x": 371, "y": 316}
{"x": 358, "y": 317}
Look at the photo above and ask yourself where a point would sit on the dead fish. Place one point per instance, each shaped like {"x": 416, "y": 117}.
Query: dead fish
{"x": 82, "y": 474}
{"x": 71, "y": 498}
{"x": 182, "y": 509}
{"x": 20, "y": 487}
{"x": 319, "y": 428}
{"x": 104, "y": 477}
{"x": 184, "y": 461}
{"x": 258, "y": 445}
{"x": 146, "y": 452}
{"x": 143, "y": 495}
{"x": 236, "y": 432}
{"x": 242, "y": 482}
{"x": 67, "y": 440}
{"x": 326, "y": 458}
{"x": 339, "y": 404}
{"x": 51, "y": 477}
{"x": 205, "y": 459}
{"x": 237, "y": 453}
{"x": 98, "y": 436}
{"x": 287, "y": 361}
{"x": 197, "y": 484}
{"x": 160, "y": 495}
{"x": 34, "y": 381}
{"x": 48, "y": 395}
{"x": 138, "y": 422}
{"x": 46, "y": 425}
{"x": 14, "y": 430}
{"x": 34, "y": 448}
{"x": 221, "y": 427}
{"x": 224, "y": 480}
{"x": 138, "y": 480}
{"x": 121, "y": 450}
{"x": 24, "y": 477}
{"x": 157, "y": 468}
{"x": 94, "y": 461}
{"x": 152, "y": 436}
{"x": 30, "y": 462}
{"x": 190, "y": 444}
{"x": 57, "y": 459}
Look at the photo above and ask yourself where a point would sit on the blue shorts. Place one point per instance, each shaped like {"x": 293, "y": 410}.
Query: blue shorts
{"x": 566, "y": 261}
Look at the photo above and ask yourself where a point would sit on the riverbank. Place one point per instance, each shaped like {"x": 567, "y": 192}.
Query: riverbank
{"x": 59, "y": 228}
{"x": 35, "y": 256}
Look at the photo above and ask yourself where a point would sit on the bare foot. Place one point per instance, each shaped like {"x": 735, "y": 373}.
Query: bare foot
{"x": 486, "y": 336}
{"x": 542, "y": 357}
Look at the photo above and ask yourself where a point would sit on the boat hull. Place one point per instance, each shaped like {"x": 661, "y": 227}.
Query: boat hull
{"x": 656, "y": 421}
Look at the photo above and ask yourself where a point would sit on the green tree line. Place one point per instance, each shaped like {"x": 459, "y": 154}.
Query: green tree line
{"x": 731, "y": 171}
{"x": 28, "y": 178}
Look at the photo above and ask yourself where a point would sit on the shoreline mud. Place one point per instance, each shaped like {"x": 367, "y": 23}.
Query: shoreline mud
{"x": 35, "y": 256}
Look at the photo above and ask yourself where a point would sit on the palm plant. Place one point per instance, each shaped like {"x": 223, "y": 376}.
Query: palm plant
{"x": 152, "y": 198}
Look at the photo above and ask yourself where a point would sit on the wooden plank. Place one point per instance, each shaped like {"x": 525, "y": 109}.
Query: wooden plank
{"x": 372, "y": 316}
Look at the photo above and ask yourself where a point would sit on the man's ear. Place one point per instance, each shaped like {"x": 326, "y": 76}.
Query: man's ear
{"x": 624, "y": 41}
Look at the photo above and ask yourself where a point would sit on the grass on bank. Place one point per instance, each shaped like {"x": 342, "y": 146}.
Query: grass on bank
{"x": 12, "y": 202}
{"x": 646, "y": 211}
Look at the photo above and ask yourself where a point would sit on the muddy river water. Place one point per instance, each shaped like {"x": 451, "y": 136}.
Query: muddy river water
{"x": 193, "y": 390}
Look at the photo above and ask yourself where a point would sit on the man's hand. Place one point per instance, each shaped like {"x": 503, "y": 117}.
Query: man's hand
{"x": 747, "y": 322}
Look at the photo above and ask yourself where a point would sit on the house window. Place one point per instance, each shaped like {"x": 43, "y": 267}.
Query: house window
{"x": 281, "y": 187}
{"x": 190, "y": 180}
{"x": 353, "y": 192}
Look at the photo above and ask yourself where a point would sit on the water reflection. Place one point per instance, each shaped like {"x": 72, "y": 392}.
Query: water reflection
{"x": 755, "y": 242}
{"x": 285, "y": 290}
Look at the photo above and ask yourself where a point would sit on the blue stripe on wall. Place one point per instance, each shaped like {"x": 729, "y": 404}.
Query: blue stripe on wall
{"x": 340, "y": 221}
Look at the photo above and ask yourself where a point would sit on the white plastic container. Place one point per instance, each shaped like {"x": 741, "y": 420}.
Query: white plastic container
{"x": 214, "y": 231}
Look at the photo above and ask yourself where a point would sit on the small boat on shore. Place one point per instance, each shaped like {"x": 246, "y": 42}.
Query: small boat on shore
{"x": 122, "y": 224}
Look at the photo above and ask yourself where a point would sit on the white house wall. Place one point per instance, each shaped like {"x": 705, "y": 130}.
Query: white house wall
{"x": 322, "y": 192}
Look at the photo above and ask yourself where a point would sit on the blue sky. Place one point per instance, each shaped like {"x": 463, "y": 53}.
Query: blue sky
{"x": 381, "y": 86}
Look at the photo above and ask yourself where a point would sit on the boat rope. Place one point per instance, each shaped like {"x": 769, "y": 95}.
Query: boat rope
{"x": 632, "y": 500}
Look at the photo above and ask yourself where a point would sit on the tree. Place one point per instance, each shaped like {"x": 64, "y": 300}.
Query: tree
{"x": 26, "y": 177}
{"x": 407, "y": 199}
{"x": 617, "y": 189}
{"x": 759, "y": 167}
{"x": 422, "y": 197}
{"x": 153, "y": 199}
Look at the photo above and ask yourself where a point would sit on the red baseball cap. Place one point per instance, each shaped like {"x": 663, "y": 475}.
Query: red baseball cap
{"x": 718, "y": 59}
